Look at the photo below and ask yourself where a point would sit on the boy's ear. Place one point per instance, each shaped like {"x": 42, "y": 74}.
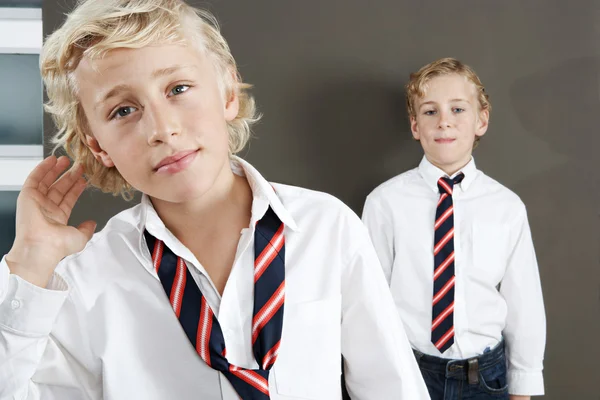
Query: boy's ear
{"x": 232, "y": 102}
{"x": 99, "y": 154}
{"x": 482, "y": 122}
{"x": 414, "y": 127}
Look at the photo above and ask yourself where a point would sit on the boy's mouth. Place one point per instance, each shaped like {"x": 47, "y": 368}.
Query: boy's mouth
{"x": 444, "y": 140}
{"x": 176, "y": 162}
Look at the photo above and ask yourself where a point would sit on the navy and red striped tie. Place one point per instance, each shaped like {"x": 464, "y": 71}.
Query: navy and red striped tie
{"x": 442, "y": 321}
{"x": 202, "y": 327}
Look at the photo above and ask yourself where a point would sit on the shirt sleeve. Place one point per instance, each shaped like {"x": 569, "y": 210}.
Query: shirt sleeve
{"x": 33, "y": 365}
{"x": 381, "y": 232}
{"x": 378, "y": 359}
{"x": 525, "y": 330}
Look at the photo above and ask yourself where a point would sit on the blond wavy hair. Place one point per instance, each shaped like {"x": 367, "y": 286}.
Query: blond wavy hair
{"x": 417, "y": 85}
{"x": 96, "y": 27}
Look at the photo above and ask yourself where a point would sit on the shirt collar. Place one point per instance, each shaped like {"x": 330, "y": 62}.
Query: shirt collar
{"x": 264, "y": 195}
{"x": 431, "y": 174}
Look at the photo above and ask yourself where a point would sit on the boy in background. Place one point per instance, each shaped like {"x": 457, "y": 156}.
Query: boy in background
{"x": 456, "y": 249}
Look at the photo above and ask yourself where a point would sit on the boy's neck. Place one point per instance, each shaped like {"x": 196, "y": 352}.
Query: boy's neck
{"x": 227, "y": 203}
{"x": 450, "y": 169}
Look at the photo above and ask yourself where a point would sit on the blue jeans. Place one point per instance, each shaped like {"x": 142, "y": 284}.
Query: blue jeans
{"x": 477, "y": 378}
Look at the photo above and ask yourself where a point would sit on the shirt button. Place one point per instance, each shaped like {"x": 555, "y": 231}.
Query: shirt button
{"x": 15, "y": 304}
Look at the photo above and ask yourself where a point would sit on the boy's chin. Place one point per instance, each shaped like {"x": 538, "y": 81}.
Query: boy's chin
{"x": 448, "y": 158}
{"x": 183, "y": 194}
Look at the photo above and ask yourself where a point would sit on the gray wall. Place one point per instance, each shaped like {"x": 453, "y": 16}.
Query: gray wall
{"x": 329, "y": 79}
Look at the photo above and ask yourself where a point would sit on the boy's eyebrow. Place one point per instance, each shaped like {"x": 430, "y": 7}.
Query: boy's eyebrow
{"x": 156, "y": 74}
{"x": 169, "y": 70}
{"x": 111, "y": 93}
{"x": 451, "y": 101}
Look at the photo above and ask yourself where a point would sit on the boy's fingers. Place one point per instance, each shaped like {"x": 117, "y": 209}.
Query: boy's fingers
{"x": 71, "y": 197}
{"x": 62, "y": 186}
{"x": 87, "y": 228}
{"x": 50, "y": 178}
{"x": 39, "y": 172}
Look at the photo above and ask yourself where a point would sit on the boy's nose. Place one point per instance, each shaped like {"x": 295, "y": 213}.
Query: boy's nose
{"x": 162, "y": 125}
{"x": 444, "y": 121}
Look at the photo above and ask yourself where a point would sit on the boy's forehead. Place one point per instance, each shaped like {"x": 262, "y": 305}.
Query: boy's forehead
{"x": 447, "y": 85}
{"x": 153, "y": 61}
{"x": 147, "y": 56}
{"x": 122, "y": 67}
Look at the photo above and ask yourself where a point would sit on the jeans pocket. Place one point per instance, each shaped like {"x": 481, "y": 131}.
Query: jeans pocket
{"x": 493, "y": 380}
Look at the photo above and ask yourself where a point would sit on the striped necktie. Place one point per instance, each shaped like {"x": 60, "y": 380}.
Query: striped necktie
{"x": 442, "y": 326}
{"x": 202, "y": 327}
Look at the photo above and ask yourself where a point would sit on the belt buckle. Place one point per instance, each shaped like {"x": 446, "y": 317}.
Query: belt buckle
{"x": 473, "y": 371}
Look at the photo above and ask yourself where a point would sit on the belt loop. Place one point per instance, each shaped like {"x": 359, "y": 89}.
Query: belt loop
{"x": 473, "y": 371}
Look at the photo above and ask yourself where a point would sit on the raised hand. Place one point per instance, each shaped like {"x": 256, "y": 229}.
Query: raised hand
{"x": 44, "y": 206}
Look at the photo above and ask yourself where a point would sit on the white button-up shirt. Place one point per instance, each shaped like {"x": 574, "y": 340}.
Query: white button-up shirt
{"x": 104, "y": 328}
{"x": 497, "y": 289}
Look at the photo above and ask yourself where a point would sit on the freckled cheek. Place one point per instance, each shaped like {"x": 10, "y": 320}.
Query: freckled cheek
{"x": 431, "y": 132}
{"x": 465, "y": 127}
{"x": 125, "y": 147}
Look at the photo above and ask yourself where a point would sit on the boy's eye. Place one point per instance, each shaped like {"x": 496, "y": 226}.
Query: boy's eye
{"x": 429, "y": 112}
{"x": 179, "y": 89}
{"x": 458, "y": 110}
{"x": 123, "y": 112}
